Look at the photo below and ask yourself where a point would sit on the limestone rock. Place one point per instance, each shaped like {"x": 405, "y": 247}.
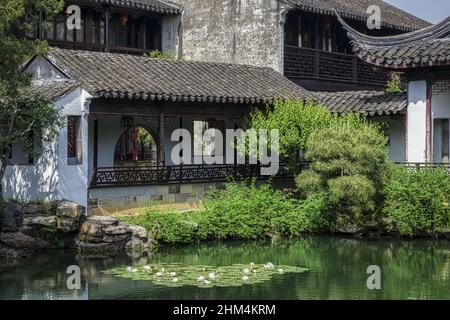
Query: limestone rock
{"x": 39, "y": 221}
{"x": 34, "y": 209}
{"x": 11, "y": 217}
{"x": 19, "y": 240}
{"x": 139, "y": 241}
{"x": 107, "y": 234}
{"x": 138, "y": 232}
{"x": 69, "y": 216}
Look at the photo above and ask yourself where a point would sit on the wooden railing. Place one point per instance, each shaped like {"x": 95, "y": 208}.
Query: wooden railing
{"x": 424, "y": 165}
{"x": 323, "y": 65}
{"x": 129, "y": 176}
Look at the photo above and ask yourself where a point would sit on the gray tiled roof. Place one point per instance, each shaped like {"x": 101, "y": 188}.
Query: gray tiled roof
{"x": 364, "y": 102}
{"x": 426, "y": 47}
{"x": 53, "y": 90}
{"x": 434, "y": 52}
{"x": 392, "y": 17}
{"x": 112, "y": 75}
{"x": 148, "y": 5}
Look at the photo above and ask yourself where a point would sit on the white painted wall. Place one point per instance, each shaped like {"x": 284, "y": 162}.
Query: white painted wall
{"x": 440, "y": 107}
{"x": 73, "y": 179}
{"x": 51, "y": 178}
{"x": 416, "y": 121}
{"x": 397, "y": 146}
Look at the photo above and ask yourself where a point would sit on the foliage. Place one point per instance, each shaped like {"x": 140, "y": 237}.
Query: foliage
{"x": 296, "y": 120}
{"x": 22, "y": 113}
{"x": 166, "y": 227}
{"x": 347, "y": 163}
{"x": 395, "y": 85}
{"x": 239, "y": 211}
{"x": 167, "y": 55}
{"x": 248, "y": 212}
{"x": 417, "y": 200}
{"x": 178, "y": 275}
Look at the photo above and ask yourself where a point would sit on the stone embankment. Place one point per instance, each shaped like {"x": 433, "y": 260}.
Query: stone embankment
{"x": 25, "y": 229}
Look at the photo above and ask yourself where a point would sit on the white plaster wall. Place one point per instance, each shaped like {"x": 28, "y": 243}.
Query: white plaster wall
{"x": 397, "y": 137}
{"x": 440, "y": 106}
{"x": 51, "y": 177}
{"x": 397, "y": 146}
{"x": 73, "y": 179}
{"x": 416, "y": 121}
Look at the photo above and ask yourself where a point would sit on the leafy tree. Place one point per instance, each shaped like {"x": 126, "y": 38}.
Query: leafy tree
{"x": 21, "y": 111}
{"x": 296, "y": 120}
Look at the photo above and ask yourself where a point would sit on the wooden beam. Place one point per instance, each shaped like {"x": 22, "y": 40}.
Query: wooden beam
{"x": 161, "y": 156}
{"x": 107, "y": 29}
{"x": 429, "y": 125}
{"x": 445, "y": 141}
{"x": 95, "y": 157}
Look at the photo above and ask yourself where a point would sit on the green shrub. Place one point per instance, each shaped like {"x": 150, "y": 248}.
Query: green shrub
{"x": 239, "y": 211}
{"x": 167, "y": 55}
{"x": 167, "y": 227}
{"x": 307, "y": 216}
{"x": 417, "y": 200}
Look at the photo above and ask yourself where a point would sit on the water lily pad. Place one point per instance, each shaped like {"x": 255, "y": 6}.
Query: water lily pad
{"x": 177, "y": 275}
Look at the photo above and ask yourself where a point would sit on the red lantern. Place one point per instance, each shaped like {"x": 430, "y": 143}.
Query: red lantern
{"x": 123, "y": 19}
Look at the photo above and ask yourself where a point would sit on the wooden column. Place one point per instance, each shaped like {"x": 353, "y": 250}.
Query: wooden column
{"x": 88, "y": 25}
{"x": 161, "y": 157}
{"x": 107, "y": 30}
{"x": 143, "y": 37}
{"x": 95, "y": 157}
{"x": 445, "y": 141}
{"x": 316, "y": 47}
{"x": 429, "y": 124}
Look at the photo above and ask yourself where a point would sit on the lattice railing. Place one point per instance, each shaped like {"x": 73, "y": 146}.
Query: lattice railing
{"x": 317, "y": 64}
{"x": 127, "y": 176}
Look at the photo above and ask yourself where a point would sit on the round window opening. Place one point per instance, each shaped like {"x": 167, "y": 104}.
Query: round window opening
{"x": 136, "y": 147}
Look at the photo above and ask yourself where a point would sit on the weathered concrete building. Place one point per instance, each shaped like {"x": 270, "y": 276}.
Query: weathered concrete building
{"x": 301, "y": 39}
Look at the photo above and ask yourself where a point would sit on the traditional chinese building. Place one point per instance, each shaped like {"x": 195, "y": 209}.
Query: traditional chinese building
{"x": 120, "y": 107}
{"x": 423, "y": 57}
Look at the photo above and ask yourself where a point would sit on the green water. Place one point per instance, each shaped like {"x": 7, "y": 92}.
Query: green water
{"x": 418, "y": 269}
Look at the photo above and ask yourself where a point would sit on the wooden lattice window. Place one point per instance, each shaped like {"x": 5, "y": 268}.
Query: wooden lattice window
{"x": 74, "y": 141}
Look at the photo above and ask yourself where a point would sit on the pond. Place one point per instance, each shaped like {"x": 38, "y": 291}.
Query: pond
{"x": 416, "y": 269}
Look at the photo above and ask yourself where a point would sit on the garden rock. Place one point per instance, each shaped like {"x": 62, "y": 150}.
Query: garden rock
{"x": 34, "y": 209}
{"x": 139, "y": 241}
{"x": 38, "y": 221}
{"x": 69, "y": 216}
{"x": 107, "y": 234}
{"x": 20, "y": 240}
{"x": 103, "y": 234}
{"x": 11, "y": 217}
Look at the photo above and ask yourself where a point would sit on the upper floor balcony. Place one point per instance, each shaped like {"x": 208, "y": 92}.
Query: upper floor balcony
{"x": 330, "y": 71}
{"x": 105, "y": 28}
{"x": 318, "y": 55}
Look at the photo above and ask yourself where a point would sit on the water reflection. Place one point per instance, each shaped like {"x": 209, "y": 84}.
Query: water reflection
{"x": 418, "y": 269}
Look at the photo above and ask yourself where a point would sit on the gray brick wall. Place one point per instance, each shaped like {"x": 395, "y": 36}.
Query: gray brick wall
{"x": 441, "y": 87}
